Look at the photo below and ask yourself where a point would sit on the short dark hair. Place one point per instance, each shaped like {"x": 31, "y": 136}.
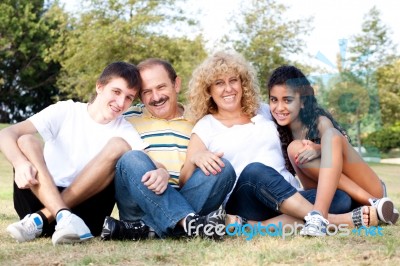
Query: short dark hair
{"x": 127, "y": 71}
{"x": 156, "y": 61}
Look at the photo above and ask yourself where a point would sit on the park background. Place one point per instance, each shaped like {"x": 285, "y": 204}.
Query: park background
{"x": 54, "y": 50}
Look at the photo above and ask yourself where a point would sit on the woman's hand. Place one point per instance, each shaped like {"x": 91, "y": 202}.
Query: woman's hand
{"x": 309, "y": 152}
{"x": 208, "y": 162}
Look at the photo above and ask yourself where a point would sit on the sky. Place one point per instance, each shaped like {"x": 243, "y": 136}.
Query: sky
{"x": 333, "y": 20}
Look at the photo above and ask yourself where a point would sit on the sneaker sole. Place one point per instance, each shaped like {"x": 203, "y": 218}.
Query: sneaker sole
{"x": 385, "y": 210}
{"x": 14, "y": 233}
{"x": 71, "y": 239}
{"x": 311, "y": 233}
{"x": 395, "y": 216}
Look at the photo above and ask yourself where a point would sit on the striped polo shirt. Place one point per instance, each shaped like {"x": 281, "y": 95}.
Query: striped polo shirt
{"x": 167, "y": 139}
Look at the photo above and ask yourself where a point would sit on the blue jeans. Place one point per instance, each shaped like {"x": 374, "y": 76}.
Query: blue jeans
{"x": 201, "y": 194}
{"x": 260, "y": 191}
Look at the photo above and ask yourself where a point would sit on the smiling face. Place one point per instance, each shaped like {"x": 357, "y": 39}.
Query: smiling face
{"x": 159, "y": 93}
{"x": 227, "y": 92}
{"x": 285, "y": 104}
{"x": 112, "y": 99}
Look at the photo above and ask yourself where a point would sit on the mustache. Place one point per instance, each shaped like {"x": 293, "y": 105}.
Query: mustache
{"x": 161, "y": 100}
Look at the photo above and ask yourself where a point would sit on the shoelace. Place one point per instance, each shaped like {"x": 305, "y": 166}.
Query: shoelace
{"x": 315, "y": 219}
{"x": 30, "y": 227}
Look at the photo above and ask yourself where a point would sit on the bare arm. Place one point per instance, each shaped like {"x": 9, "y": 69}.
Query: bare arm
{"x": 308, "y": 152}
{"x": 323, "y": 125}
{"x": 199, "y": 156}
{"x": 25, "y": 172}
{"x": 311, "y": 150}
{"x": 9, "y": 137}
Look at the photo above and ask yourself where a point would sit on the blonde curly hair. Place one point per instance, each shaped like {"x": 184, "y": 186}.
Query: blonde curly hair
{"x": 200, "y": 102}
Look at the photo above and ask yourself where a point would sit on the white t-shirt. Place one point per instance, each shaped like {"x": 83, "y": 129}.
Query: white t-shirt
{"x": 257, "y": 141}
{"x": 72, "y": 138}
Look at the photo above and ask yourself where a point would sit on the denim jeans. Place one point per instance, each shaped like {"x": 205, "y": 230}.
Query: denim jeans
{"x": 260, "y": 191}
{"x": 201, "y": 194}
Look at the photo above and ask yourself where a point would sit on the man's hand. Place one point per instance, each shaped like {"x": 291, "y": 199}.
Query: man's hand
{"x": 309, "y": 152}
{"x": 156, "y": 180}
{"x": 25, "y": 175}
{"x": 208, "y": 162}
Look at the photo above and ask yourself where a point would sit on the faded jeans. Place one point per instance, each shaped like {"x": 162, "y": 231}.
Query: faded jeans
{"x": 201, "y": 194}
{"x": 260, "y": 190}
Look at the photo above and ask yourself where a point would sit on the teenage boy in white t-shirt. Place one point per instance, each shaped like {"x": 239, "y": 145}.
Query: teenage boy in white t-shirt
{"x": 74, "y": 170}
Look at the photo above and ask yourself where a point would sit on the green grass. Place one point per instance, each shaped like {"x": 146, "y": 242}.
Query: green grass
{"x": 3, "y": 125}
{"x": 334, "y": 250}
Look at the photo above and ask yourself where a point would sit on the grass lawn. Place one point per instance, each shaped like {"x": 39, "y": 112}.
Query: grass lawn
{"x": 333, "y": 250}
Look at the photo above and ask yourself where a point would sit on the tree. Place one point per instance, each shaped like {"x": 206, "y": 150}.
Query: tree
{"x": 349, "y": 103}
{"x": 388, "y": 78}
{"x": 27, "y": 80}
{"x": 370, "y": 50}
{"x": 122, "y": 30}
{"x": 266, "y": 38}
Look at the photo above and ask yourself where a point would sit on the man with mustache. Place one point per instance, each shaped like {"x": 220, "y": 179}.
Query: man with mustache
{"x": 149, "y": 198}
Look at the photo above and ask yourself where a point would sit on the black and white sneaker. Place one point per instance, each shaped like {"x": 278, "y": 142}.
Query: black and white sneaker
{"x": 208, "y": 226}
{"x": 385, "y": 209}
{"x": 114, "y": 229}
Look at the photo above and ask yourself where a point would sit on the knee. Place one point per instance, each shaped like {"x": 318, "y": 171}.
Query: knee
{"x": 228, "y": 168}
{"x": 26, "y": 141}
{"x": 116, "y": 147}
{"x": 135, "y": 161}
{"x": 261, "y": 175}
{"x": 255, "y": 169}
{"x": 130, "y": 165}
{"x": 132, "y": 157}
{"x": 293, "y": 148}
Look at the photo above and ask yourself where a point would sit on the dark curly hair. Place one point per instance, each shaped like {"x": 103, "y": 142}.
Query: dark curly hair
{"x": 297, "y": 81}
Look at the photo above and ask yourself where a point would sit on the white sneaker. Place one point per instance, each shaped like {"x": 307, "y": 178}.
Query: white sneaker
{"x": 315, "y": 225}
{"x": 70, "y": 229}
{"x": 384, "y": 208}
{"x": 27, "y": 229}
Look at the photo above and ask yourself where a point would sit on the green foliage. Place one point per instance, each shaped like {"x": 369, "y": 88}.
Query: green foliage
{"x": 27, "y": 81}
{"x": 384, "y": 139}
{"x": 348, "y": 101}
{"x": 49, "y": 55}
{"x": 266, "y": 37}
{"x": 123, "y": 30}
{"x": 369, "y": 51}
{"x": 388, "y": 78}
{"x": 372, "y": 48}
{"x": 353, "y": 96}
